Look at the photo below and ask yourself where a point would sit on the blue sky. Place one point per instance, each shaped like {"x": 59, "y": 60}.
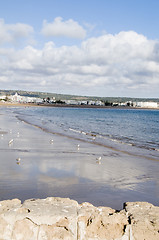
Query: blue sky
{"x": 91, "y": 47}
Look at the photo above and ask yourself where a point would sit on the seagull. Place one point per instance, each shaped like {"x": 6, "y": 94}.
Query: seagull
{"x": 98, "y": 160}
{"x": 18, "y": 160}
{"x": 10, "y": 142}
{"x": 78, "y": 146}
{"x": 51, "y": 141}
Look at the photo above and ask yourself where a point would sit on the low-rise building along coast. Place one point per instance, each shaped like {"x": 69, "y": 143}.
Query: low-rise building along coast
{"x": 146, "y": 104}
{"x": 17, "y": 98}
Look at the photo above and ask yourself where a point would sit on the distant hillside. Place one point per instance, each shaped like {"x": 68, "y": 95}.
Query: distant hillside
{"x": 75, "y": 97}
{"x": 40, "y": 94}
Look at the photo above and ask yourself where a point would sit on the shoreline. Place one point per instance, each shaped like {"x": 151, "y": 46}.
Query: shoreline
{"x": 109, "y": 145}
{"x": 7, "y": 104}
{"x": 113, "y": 148}
{"x": 61, "y": 169}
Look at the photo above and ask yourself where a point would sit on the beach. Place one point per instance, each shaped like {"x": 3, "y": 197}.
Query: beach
{"x": 36, "y": 163}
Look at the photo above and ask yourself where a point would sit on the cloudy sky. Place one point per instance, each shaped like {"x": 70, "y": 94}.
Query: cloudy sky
{"x": 87, "y": 47}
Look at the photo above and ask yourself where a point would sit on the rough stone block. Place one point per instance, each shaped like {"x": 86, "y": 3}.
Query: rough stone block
{"x": 100, "y": 223}
{"x": 62, "y": 218}
{"x": 50, "y": 218}
{"x": 144, "y": 220}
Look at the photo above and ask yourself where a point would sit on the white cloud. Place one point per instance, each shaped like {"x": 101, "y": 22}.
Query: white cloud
{"x": 11, "y": 33}
{"x": 122, "y": 64}
{"x": 60, "y": 28}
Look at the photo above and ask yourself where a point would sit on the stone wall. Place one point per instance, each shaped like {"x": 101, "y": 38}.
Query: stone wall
{"x": 62, "y": 218}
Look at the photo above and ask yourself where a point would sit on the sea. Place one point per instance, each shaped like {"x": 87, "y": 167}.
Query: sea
{"x": 104, "y": 156}
{"x": 135, "y": 131}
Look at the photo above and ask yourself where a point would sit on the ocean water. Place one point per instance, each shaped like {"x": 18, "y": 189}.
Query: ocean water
{"x": 127, "y": 130}
{"x": 127, "y": 140}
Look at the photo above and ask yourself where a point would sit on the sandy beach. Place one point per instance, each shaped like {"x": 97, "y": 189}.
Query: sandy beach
{"x": 38, "y": 164}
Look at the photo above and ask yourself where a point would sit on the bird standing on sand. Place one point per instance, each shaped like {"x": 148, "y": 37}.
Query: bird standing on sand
{"x": 78, "y": 146}
{"x": 98, "y": 160}
{"x": 18, "y": 160}
{"x": 10, "y": 142}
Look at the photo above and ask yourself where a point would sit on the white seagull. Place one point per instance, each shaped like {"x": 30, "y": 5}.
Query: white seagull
{"x": 10, "y": 142}
{"x": 98, "y": 160}
{"x": 18, "y": 160}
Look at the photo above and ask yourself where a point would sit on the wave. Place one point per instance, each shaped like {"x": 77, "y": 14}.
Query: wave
{"x": 90, "y": 132}
{"x": 120, "y": 140}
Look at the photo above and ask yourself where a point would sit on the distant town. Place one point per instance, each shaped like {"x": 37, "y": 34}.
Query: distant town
{"x": 17, "y": 98}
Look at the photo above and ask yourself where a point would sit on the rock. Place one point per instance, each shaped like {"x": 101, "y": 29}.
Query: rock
{"x": 144, "y": 220}
{"x": 9, "y": 204}
{"x": 100, "y": 223}
{"x": 56, "y": 217}
{"x": 24, "y": 229}
{"x": 50, "y": 218}
{"x": 6, "y": 224}
{"x": 62, "y": 218}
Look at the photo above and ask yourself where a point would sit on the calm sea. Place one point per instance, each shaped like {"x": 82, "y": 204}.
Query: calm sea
{"x": 128, "y": 130}
{"x": 127, "y": 141}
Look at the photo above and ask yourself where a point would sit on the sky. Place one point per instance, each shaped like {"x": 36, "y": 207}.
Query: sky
{"x": 105, "y": 48}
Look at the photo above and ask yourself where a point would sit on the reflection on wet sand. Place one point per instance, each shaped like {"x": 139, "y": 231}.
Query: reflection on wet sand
{"x": 66, "y": 168}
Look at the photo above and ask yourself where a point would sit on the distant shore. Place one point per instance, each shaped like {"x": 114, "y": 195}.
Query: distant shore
{"x": 9, "y": 104}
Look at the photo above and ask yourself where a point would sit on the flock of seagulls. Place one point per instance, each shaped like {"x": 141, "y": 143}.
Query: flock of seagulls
{"x": 11, "y": 142}
{"x": 98, "y": 159}
{"x": 18, "y": 160}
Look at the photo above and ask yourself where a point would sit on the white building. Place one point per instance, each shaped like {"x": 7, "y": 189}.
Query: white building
{"x": 16, "y": 98}
{"x": 96, "y": 103}
{"x": 91, "y": 102}
{"x": 99, "y": 103}
{"x": 3, "y": 97}
{"x": 146, "y": 104}
{"x": 71, "y": 102}
{"x": 83, "y": 102}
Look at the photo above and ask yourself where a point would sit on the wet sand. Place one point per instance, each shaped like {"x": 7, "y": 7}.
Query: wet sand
{"x": 60, "y": 168}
